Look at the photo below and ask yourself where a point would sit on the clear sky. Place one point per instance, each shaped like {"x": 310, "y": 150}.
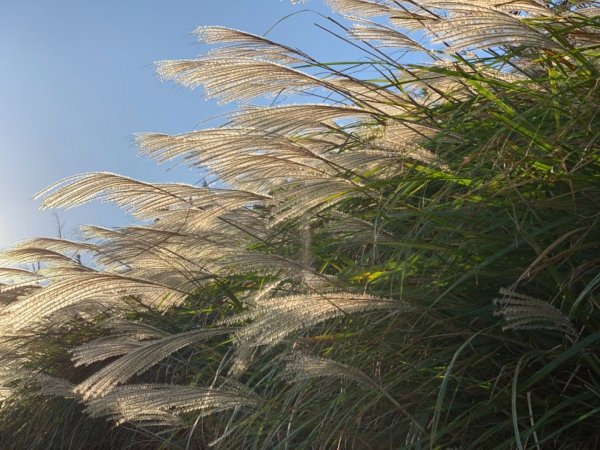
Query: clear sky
{"x": 77, "y": 80}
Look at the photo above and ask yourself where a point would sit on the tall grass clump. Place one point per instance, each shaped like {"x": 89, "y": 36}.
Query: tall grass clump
{"x": 409, "y": 259}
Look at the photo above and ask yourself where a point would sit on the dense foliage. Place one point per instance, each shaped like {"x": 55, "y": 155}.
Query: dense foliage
{"x": 407, "y": 260}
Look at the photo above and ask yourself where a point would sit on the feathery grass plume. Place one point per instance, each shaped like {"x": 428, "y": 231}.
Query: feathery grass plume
{"x": 161, "y": 404}
{"x": 383, "y": 36}
{"x": 237, "y": 79}
{"x": 395, "y": 134}
{"x": 31, "y": 255}
{"x": 4, "y": 393}
{"x": 55, "y": 244}
{"x": 243, "y": 45}
{"x": 135, "y": 330}
{"x": 14, "y": 274}
{"x": 291, "y": 119}
{"x": 46, "y": 253}
{"x": 178, "y": 259}
{"x": 301, "y": 367}
{"x": 310, "y": 196}
{"x": 364, "y": 8}
{"x": 588, "y": 11}
{"x": 401, "y": 140}
{"x": 538, "y": 7}
{"x": 141, "y": 357}
{"x": 523, "y": 312}
{"x": 257, "y": 262}
{"x": 381, "y": 161}
{"x": 143, "y": 200}
{"x": 20, "y": 283}
{"x": 373, "y": 96}
{"x": 474, "y": 27}
{"x": 54, "y": 387}
{"x": 72, "y": 287}
{"x": 10, "y": 293}
{"x": 102, "y": 349}
{"x": 247, "y": 159}
{"x": 273, "y": 319}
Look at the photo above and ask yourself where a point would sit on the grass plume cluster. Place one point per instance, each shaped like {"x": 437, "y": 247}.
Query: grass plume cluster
{"x": 409, "y": 259}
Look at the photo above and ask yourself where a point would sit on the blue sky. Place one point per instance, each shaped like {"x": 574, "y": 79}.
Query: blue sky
{"x": 78, "y": 80}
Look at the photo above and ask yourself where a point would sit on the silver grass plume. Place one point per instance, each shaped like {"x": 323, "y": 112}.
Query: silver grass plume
{"x": 237, "y": 79}
{"x": 161, "y": 404}
{"x": 372, "y": 96}
{"x": 54, "y": 387}
{"x": 403, "y": 139}
{"x": 272, "y": 320}
{"x": 384, "y": 36}
{"x": 88, "y": 311}
{"x": 308, "y": 197}
{"x": 70, "y": 287}
{"x": 143, "y": 200}
{"x": 261, "y": 162}
{"x": 523, "y": 312}
{"x": 17, "y": 283}
{"x": 301, "y": 367}
{"x": 103, "y": 348}
{"x": 298, "y": 118}
{"x": 414, "y": 19}
{"x": 15, "y": 275}
{"x": 276, "y": 318}
{"x": 290, "y": 270}
{"x": 438, "y": 88}
{"x": 536, "y": 7}
{"x": 244, "y": 45}
{"x": 55, "y": 244}
{"x": 142, "y": 356}
{"x": 177, "y": 259}
{"x": 40, "y": 250}
{"x": 135, "y": 330}
{"x": 472, "y": 26}
{"x": 363, "y": 8}
{"x": 248, "y": 159}
{"x": 12, "y": 292}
